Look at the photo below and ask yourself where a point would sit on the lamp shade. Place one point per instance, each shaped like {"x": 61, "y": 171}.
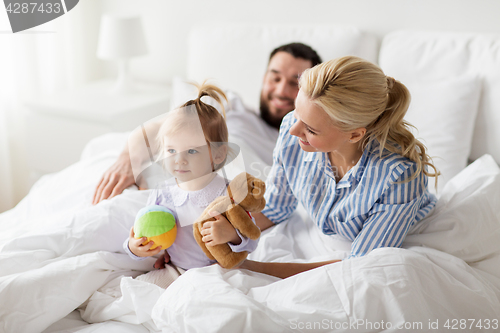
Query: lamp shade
{"x": 121, "y": 37}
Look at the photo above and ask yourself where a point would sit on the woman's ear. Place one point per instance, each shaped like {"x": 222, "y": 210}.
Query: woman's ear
{"x": 357, "y": 134}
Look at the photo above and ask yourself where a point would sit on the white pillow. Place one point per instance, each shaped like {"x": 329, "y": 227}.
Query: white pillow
{"x": 441, "y": 55}
{"x": 236, "y": 55}
{"x": 444, "y": 114}
{"x": 466, "y": 220}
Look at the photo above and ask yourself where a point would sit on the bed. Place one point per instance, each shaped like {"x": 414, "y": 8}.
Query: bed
{"x": 63, "y": 269}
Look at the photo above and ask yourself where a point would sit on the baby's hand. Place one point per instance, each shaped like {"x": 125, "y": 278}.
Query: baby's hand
{"x": 219, "y": 231}
{"x": 135, "y": 245}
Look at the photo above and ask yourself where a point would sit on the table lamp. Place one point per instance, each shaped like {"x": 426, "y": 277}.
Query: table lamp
{"x": 121, "y": 38}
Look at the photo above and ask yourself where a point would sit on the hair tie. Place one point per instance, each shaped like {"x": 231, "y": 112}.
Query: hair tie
{"x": 390, "y": 82}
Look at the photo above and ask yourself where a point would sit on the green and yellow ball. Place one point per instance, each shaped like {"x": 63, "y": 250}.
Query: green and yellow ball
{"x": 157, "y": 223}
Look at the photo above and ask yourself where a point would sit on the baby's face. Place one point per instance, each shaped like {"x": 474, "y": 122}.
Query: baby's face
{"x": 187, "y": 156}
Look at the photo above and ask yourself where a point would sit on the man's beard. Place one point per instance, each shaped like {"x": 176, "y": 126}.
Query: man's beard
{"x": 265, "y": 114}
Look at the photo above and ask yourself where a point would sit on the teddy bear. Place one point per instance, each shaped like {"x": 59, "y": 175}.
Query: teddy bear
{"x": 245, "y": 194}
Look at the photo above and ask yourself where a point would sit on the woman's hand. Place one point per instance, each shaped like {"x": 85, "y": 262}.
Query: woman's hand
{"x": 117, "y": 178}
{"x": 219, "y": 231}
{"x": 136, "y": 247}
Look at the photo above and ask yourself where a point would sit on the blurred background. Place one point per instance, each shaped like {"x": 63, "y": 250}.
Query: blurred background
{"x": 56, "y": 90}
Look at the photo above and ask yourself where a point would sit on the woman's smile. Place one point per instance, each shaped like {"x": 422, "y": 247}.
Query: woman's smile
{"x": 304, "y": 142}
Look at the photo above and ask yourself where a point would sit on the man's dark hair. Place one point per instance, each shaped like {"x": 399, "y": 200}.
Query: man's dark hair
{"x": 298, "y": 50}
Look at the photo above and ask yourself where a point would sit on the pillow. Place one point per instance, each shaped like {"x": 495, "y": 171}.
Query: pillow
{"x": 441, "y": 55}
{"x": 236, "y": 55}
{"x": 444, "y": 114}
{"x": 466, "y": 220}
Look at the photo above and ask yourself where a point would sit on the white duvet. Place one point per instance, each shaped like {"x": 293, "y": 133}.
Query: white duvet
{"x": 57, "y": 251}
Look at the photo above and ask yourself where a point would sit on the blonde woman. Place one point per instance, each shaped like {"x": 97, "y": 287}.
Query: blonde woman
{"x": 347, "y": 155}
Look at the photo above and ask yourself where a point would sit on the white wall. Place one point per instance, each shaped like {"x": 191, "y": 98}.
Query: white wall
{"x": 167, "y": 22}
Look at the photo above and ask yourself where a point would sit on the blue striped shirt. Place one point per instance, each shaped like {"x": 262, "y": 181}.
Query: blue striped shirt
{"x": 371, "y": 205}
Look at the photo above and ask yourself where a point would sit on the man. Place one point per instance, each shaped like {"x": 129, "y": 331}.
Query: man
{"x": 279, "y": 90}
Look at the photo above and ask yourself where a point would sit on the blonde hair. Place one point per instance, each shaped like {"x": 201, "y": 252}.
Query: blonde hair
{"x": 357, "y": 94}
{"x": 213, "y": 123}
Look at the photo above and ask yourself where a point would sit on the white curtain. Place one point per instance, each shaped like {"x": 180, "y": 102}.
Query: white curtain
{"x": 56, "y": 55}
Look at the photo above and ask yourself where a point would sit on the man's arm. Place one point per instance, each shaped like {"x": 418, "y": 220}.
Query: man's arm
{"x": 117, "y": 178}
{"x": 140, "y": 148}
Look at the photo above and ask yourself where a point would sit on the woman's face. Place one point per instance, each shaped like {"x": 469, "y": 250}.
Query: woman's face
{"x": 315, "y": 129}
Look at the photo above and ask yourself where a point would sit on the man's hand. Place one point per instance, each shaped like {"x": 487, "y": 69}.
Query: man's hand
{"x": 117, "y": 178}
{"x": 219, "y": 231}
{"x": 136, "y": 247}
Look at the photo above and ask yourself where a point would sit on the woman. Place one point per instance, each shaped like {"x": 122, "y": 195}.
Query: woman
{"x": 347, "y": 155}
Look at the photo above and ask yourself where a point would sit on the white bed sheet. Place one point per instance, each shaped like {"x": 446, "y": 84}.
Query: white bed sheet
{"x": 56, "y": 250}
{"x": 448, "y": 269}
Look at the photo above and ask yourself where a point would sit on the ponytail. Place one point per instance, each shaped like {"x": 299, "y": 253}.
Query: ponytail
{"x": 392, "y": 131}
{"x": 212, "y": 91}
{"x": 357, "y": 94}
{"x": 212, "y": 122}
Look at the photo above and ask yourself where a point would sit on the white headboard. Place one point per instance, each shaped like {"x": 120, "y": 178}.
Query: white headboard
{"x": 237, "y": 56}
{"x": 440, "y": 63}
{"x": 435, "y": 56}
